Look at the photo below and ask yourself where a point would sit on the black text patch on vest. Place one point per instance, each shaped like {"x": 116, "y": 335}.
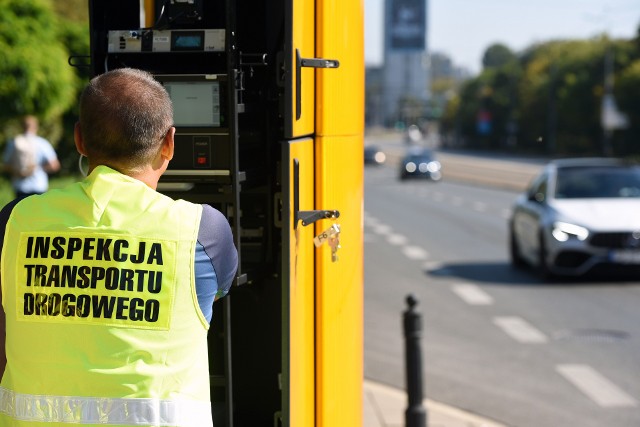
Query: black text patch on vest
{"x": 113, "y": 280}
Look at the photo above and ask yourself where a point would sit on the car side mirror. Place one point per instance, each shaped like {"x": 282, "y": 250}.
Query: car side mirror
{"x": 537, "y": 197}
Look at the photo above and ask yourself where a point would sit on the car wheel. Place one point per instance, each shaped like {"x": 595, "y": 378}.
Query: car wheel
{"x": 516, "y": 259}
{"x": 543, "y": 265}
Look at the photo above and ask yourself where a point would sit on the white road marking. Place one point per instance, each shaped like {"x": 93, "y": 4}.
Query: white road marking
{"x": 432, "y": 265}
{"x": 457, "y": 201}
{"x": 506, "y": 213}
{"x": 595, "y": 386}
{"x": 397, "y": 239}
{"x": 370, "y": 221}
{"x": 415, "y": 252}
{"x": 472, "y": 294}
{"x": 381, "y": 229}
{"x": 520, "y": 330}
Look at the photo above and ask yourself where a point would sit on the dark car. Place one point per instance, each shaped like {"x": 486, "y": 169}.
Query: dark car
{"x": 578, "y": 215}
{"x": 373, "y": 155}
{"x": 420, "y": 162}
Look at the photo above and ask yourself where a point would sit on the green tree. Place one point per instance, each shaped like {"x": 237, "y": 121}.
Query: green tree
{"x": 37, "y": 38}
{"x": 34, "y": 75}
{"x": 550, "y": 98}
{"x": 497, "y": 55}
{"x": 491, "y": 96}
{"x": 627, "y": 91}
{"x": 560, "y": 97}
{"x": 463, "y": 118}
{"x": 562, "y": 94}
{"x": 73, "y": 10}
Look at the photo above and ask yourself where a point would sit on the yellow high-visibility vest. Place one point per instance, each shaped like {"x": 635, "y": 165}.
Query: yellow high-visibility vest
{"x": 103, "y": 323}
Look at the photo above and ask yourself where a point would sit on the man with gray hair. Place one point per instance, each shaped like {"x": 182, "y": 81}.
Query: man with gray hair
{"x": 108, "y": 285}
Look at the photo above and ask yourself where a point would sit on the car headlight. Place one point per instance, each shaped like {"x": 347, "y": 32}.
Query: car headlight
{"x": 410, "y": 167}
{"x": 433, "y": 166}
{"x": 380, "y": 157}
{"x": 563, "y": 231}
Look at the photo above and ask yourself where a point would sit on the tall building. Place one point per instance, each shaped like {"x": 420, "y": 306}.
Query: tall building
{"x": 405, "y": 88}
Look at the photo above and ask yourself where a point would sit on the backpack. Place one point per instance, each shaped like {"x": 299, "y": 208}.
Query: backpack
{"x": 23, "y": 158}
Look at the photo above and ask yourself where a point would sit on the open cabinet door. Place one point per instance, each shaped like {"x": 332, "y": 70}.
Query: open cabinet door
{"x": 298, "y": 385}
{"x": 299, "y": 78}
{"x": 298, "y": 311}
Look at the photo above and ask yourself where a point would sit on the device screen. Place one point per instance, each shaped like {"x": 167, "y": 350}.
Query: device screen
{"x": 195, "y": 103}
{"x": 188, "y": 41}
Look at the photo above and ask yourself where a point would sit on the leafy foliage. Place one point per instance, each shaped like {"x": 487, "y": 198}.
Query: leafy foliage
{"x": 36, "y": 39}
{"x": 76, "y": 11}
{"x": 34, "y": 75}
{"x": 548, "y": 99}
{"x": 497, "y": 55}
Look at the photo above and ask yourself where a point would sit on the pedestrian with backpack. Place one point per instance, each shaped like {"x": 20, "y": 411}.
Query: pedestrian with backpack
{"x": 28, "y": 159}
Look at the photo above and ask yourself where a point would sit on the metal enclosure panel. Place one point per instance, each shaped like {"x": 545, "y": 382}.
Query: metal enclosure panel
{"x": 340, "y": 92}
{"x": 339, "y": 284}
{"x": 299, "y": 81}
{"x": 298, "y": 289}
{"x": 339, "y": 185}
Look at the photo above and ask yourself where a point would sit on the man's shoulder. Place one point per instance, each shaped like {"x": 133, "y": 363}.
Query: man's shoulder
{"x": 213, "y": 224}
{"x": 42, "y": 141}
{"x": 5, "y": 213}
{"x": 6, "y": 210}
{"x": 212, "y": 217}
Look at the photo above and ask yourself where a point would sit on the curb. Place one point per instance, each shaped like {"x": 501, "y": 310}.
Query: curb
{"x": 384, "y": 406}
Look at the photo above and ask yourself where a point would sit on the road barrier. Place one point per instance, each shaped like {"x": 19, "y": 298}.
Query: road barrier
{"x": 415, "y": 414}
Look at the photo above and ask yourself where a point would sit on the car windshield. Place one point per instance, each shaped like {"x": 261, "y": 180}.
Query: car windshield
{"x": 419, "y": 156}
{"x": 597, "y": 182}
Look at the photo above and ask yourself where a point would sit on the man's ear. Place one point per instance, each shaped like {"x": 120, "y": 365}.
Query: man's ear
{"x": 77, "y": 138}
{"x": 168, "y": 144}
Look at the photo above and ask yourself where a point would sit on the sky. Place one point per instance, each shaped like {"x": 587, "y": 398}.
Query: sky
{"x": 463, "y": 29}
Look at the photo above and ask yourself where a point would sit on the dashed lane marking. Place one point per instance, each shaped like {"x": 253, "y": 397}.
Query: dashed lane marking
{"x": 415, "y": 252}
{"x": 370, "y": 221}
{"x": 433, "y": 265}
{"x": 381, "y": 229}
{"x": 596, "y": 386}
{"x": 397, "y": 239}
{"x": 472, "y": 294}
{"x": 520, "y": 330}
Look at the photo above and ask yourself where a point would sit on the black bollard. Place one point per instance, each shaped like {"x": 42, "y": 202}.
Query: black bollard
{"x": 416, "y": 414}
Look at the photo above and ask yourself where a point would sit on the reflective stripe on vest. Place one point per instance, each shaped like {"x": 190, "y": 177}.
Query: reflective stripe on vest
{"x": 107, "y": 411}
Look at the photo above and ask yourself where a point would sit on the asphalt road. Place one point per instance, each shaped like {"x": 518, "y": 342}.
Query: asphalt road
{"x": 487, "y": 169}
{"x": 497, "y": 341}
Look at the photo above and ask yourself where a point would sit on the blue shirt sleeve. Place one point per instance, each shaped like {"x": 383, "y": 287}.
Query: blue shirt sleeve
{"x": 216, "y": 260}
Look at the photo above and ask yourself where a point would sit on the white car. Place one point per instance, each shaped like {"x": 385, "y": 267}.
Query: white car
{"x": 578, "y": 215}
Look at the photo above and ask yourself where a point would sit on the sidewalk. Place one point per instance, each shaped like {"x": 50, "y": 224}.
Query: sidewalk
{"x": 384, "y": 406}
